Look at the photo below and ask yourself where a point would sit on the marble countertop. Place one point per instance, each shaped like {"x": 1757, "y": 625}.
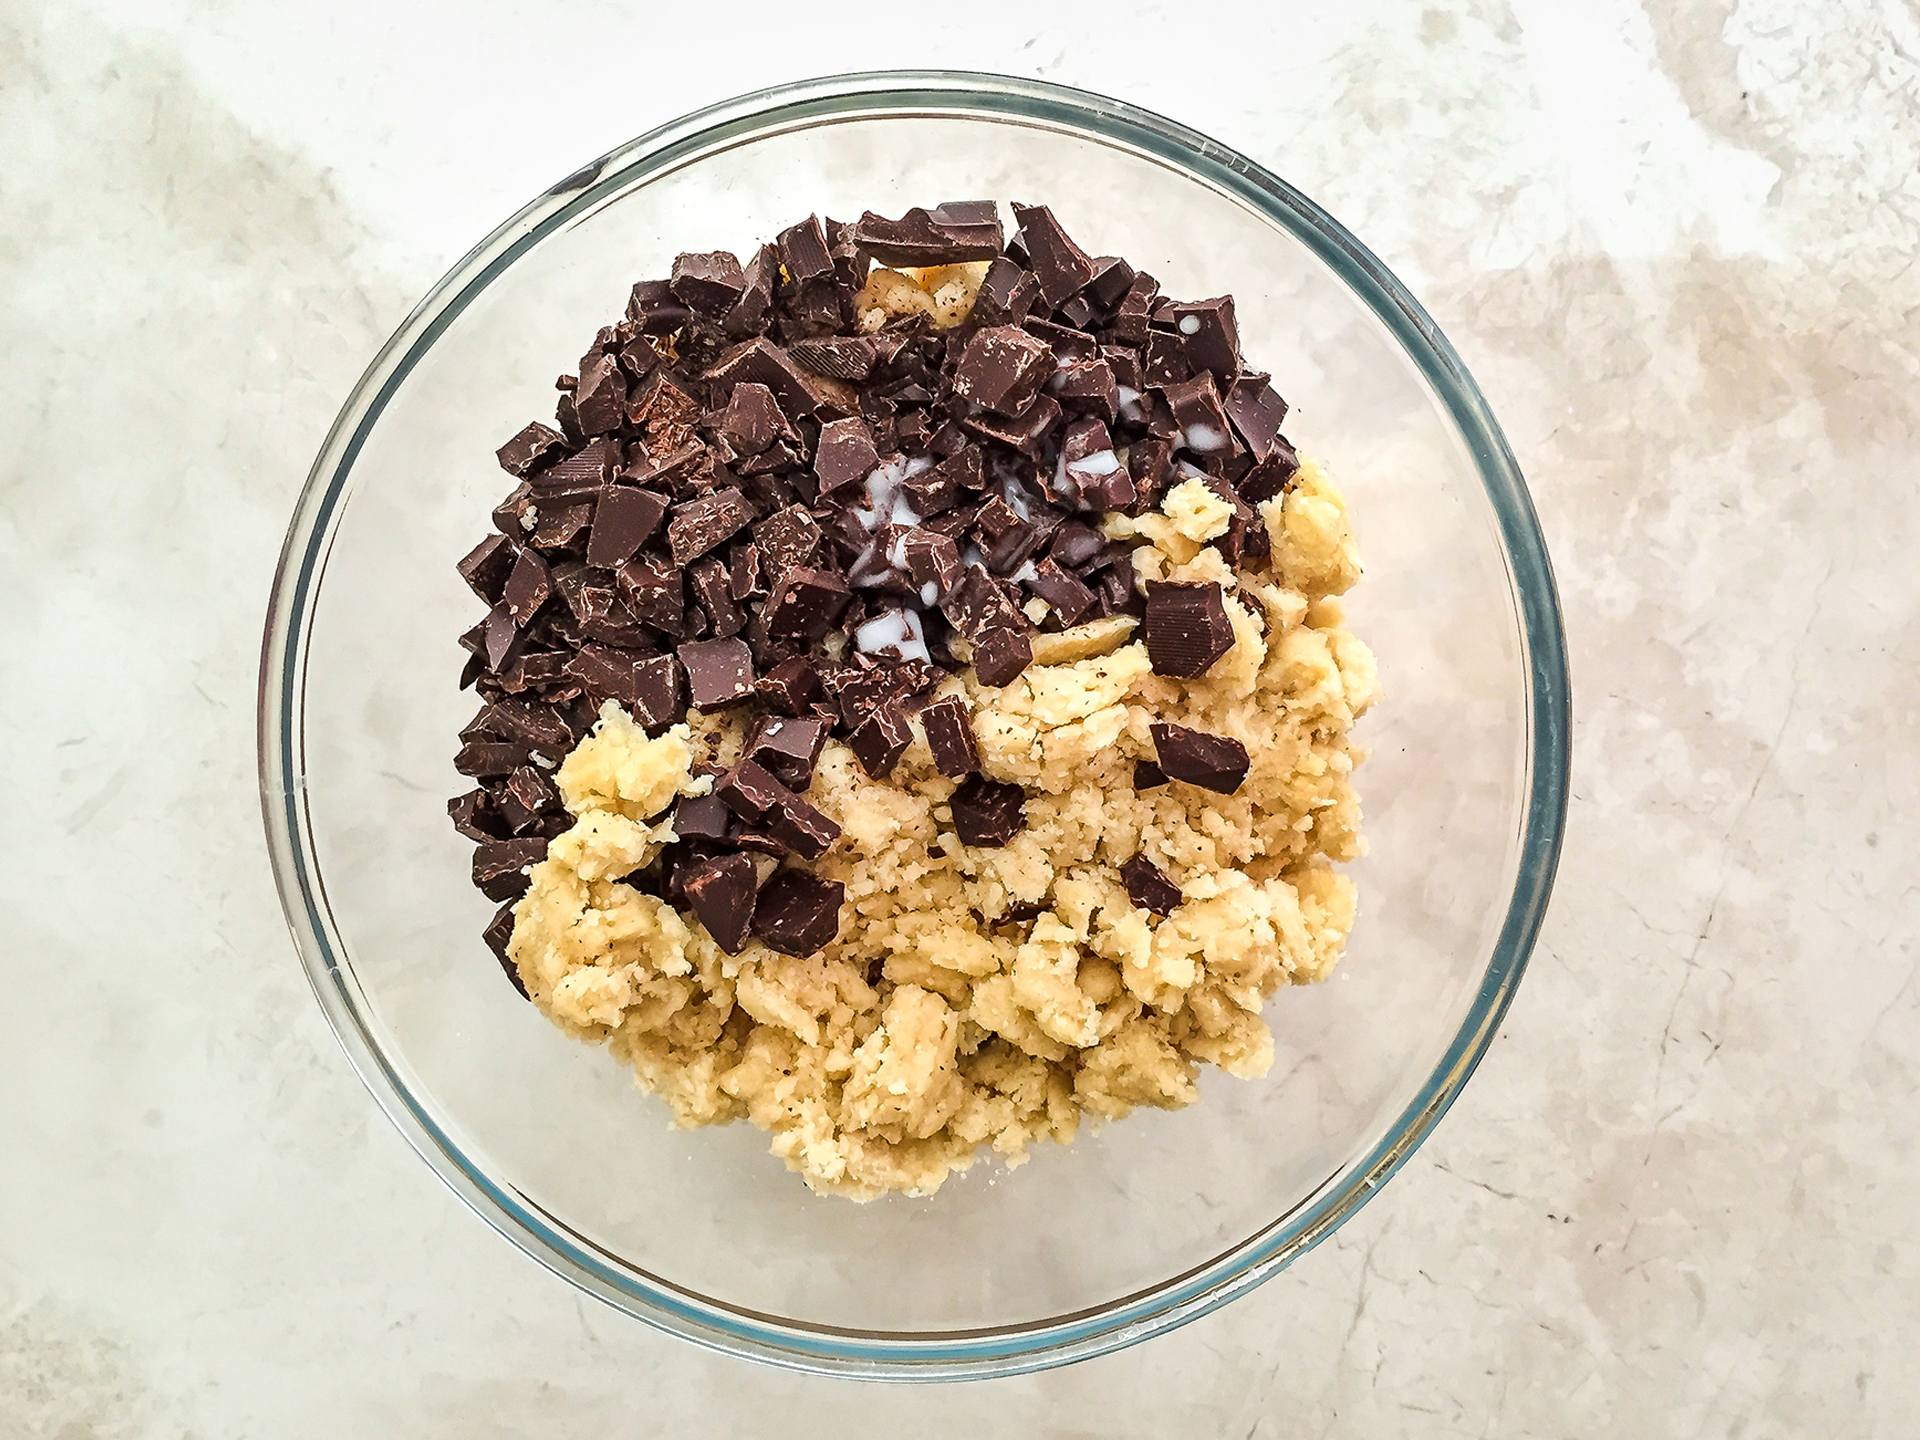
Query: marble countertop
{"x": 1676, "y": 244}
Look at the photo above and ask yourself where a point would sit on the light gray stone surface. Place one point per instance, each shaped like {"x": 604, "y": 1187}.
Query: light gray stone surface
{"x": 1677, "y": 245}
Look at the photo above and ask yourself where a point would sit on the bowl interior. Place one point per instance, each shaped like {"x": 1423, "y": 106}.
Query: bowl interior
{"x": 1122, "y": 1211}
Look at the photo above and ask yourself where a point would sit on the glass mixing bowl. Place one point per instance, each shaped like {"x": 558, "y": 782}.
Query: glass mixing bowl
{"x": 1133, "y": 1229}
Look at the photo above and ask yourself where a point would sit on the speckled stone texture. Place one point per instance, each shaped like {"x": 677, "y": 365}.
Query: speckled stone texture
{"x": 1675, "y": 242}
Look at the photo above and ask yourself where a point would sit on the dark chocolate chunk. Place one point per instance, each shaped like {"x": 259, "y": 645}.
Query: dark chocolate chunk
{"x": 1002, "y": 369}
{"x": 788, "y": 747}
{"x": 1211, "y": 336}
{"x": 719, "y": 672}
{"x": 720, "y": 892}
{"x": 600, "y": 399}
{"x": 787, "y": 539}
{"x": 497, "y": 866}
{"x": 581, "y": 474}
{"x": 845, "y": 454}
{"x": 475, "y": 817}
{"x": 647, "y": 685}
{"x": 975, "y": 604}
{"x": 654, "y": 308}
{"x": 1077, "y": 312}
{"x": 498, "y": 934}
{"x": 487, "y": 566}
{"x": 509, "y": 513}
{"x": 702, "y": 817}
{"x": 881, "y": 739}
{"x": 1075, "y": 546}
{"x": 527, "y": 588}
{"x": 1257, "y": 412}
{"x": 534, "y": 794}
{"x": 1086, "y": 385}
{"x": 1163, "y": 359}
{"x": 1148, "y": 887}
{"x": 745, "y": 579}
{"x": 753, "y": 419}
{"x": 560, "y": 526}
{"x": 749, "y": 313}
{"x": 949, "y": 727}
{"x": 1246, "y": 532}
{"x": 750, "y": 790}
{"x": 1148, "y": 460}
{"x": 1213, "y": 762}
{"x": 799, "y": 828}
{"x": 798, "y": 913}
{"x": 790, "y": 687}
{"x": 713, "y": 588}
{"x": 1112, "y": 277}
{"x": 1131, "y": 315}
{"x": 532, "y": 448}
{"x": 1001, "y": 654}
{"x": 1006, "y": 295}
{"x": 807, "y": 603}
{"x": 1147, "y": 775}
{"x": 1186, "y": 628}
{"x": 804, "y": 252}
{"x": 1025, "y": 432}
{"x": 1065, "y": 595}
{"x": 986, "y": 812}
{"x": 932, "y": 560}
{"x": 1272, "y": 476}
{"x": 948, "y": 234}
{"x": 838, "y": 357}
{"x": 623, "y": 521}
{"x": 489, "y": 757}
{"x": 699, "y": 525}
{"x": 1060, "y": 266}
{"x": 708, "y": 284}
{"x": 1196, "y": 410}
{"x": 799, "y": 393}
{"x": 652, "y": 588}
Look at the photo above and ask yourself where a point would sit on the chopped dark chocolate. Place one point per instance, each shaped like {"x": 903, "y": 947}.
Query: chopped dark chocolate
{"x": 498, "y": 866}
{"x": 807, "y": 603}
{"x": 1060, "y": 266}
{"x": 1112, "y": 277}
{"x": 753, "y": 419}
{"x": 845, "y": 454}
{"x": 475, "y": 817}
{"x": 498, "y": 934}
{"x": 761, "y": 361}
{"x": 527, "y": 587}
{"x": 703, "y": 817}
{"x": 623, "y": 521}
{"x": 797, "y": 913}
{"x": 1272, "y": 476}
{"x": 799, "y": 828}
{"x": 648, "y": 686}
{"x": 719, "y": 672}
{"x": 1001, "y": 654}
{"x": 750, "y": 790}
{"x": 1065, "y": 595}
{"x": 1196, "y": 409}
{"x": 713, "y": 588}
{"x": 579, "y": 474}
{"x": 708, "y": 284}
{"x": 838, "y": 357}
{"x": 986, "y": 812}
{"x": 530, "y": 449}
{"x": 1213, "y": 762}
{"x": 720, "y": 892}
{"x": 787, "y": 747}
{"x": 933, "y": 563}
{"x": 804, "y": 252}
{"x": 949, "y": 727}
{"x": 1257, "y": 412}
{"x": 1006, "y": 295}
{"x": 600, "y": 398}
{"x": 949, "y": 234}
{"x": 699, "y": 525}
{"x": 1148, "y": 886}
{"x": 487, "y": 566}
{"x": 1186, "y": 628}
{"x": 1025, "y": 432}
{"x": 787, "y": 539}
{"x": 749, "y": 313}
{"x": 881, "y": 739}
{"x": 790, "y": 687}
{"x": 1002, "y": 369}
{"x": 975, "y": 604}
{"x": 1211, "y": 335}
{"x": 654, "y": 307}
{"x": 1147, "y": 775}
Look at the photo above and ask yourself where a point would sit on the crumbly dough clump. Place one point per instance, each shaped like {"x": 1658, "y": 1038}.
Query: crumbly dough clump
{"x": 926, "y": 1032}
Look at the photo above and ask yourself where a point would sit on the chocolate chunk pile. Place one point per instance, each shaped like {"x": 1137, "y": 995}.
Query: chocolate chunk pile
{"x": 762, "y": 494}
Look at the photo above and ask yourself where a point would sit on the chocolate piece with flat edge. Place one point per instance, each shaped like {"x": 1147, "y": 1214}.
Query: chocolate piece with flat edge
{"x": 1186, "y": 628}
{"x": 1001, "y": 654}
{"x": 648, "y": 686}
{"x": 1006, "y": 296}
{"x": 1197, "y": 411}
{"x": 1060, "y": 266}
{"x": 699, "y": 525}
{"x": 720, "y": 892}
{"x": 790, "y": 687}
{"x": 1148, "y": 886}
{"x": 497, "y": 866}
{"x": 703, "y": 817}
{"x": 1211, "y": 336}
{"x": 1257, "y": 412}
{"x": 713, "y": 588}
{"x": 986, "y": 812}
{"x": 976, "y": 604}
{"x": 787, "y": 747}
{"x": 1065, "y": 595}
{"x": 708, "y": 283}
{"x": 624, "y": 519}
{"x": 753, "y": 419}
{"x": 949, "y": 727}
{"x": 527, "y": 588}
{"x": 949, "y": 234}
{"x": 476, "y": 818}
{"x": 838, "y": 357}
{"x": 749, "y": 313}
{"x": 845, "y": 455}
{"x": 797, "y": 913}
{"x": 1002, "y": 368}
{"x": 527, "y": 451}
{"x": 653, "y": 589}
{"x": 486, "y": 567}
{"x": 807, "y": 603}
{"x": 1147, "y": 775}
{"x": 1025, "y": 432}
{"x": 600, "y": 398}
{"x": 654, "y": 307}
{"x": 719, "y": 672}
{"x": 1213, "y": 762}
{"x": 881, "y": 739}
{"x": 1112, "y": 277}
{"x": 1272, "y": 476}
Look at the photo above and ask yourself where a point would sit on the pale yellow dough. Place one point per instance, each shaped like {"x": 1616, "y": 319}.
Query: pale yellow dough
{"x": 924, "y": 1033}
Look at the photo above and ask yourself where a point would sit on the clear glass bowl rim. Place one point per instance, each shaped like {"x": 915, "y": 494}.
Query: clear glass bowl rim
{"x": 930, "y": 1356}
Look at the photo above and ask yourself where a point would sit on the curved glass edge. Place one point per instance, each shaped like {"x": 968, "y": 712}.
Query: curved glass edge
{"x": 310, "y": 533}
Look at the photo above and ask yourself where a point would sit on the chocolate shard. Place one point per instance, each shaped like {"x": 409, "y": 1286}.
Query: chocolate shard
{"x": 1213, "y": 762}
{"x": 797, "y": 913}
{"x": 807, "y": 603}
{"x": 475, "y": 817}
{"x": 1257, "y": 412}
{"x": 933, "y": 563}
{"x": 652, "y": 588}
{"x": 1272, "y": 476}
{"x": 1196, "y": 409}
{"x": 1186, "y": 628}
{"x": 838, "y": 357}
{"x": 948, "y": 234}
{"x": 882, "y": 738}
{"x": 1066, "y": 596}
{"x": 1077, "y": 312}
{"x": 750, "y": 791}
{"x": 1060, "y": 266}
{"x": 799, "y": 393}
{"x": 721, "y": 893}
{"x": 489, "y": 757}
{"x": 1002, "y": 369}
{"x": 749, "y": 313}
{"x": 845, "y": 455}
{"x": 532, "y": 448}
{"x": 1001, "y": 654}
{"x": 1211, "y": 335}
{"x": 708, "y": 284}
{"x": 753, "y": 419}
{"x": 529, "y": 794}
{"x": 1075, "y": 546}
{"x": 1006, "y": 296}
{"x": 976, "y": 604}
{"x": 648, "y": 686}
{"x": 799, "y": 828}
{"x": 713, "y": 588}
{"x": 787, "y": 747}
{"x": 788, "y": 539}
{"x": 600, "y": 398}
{"x": 986, "y": 812}
{"x": 950, "y": 737}
{"x": 1147, "y": 775}
{"x": 1112, "y": 277}
{"x": 745, "y": 578}
{"x": 703, "y": 817}
{"x": 580, "y": 474}
{"x": 498, "y": 866}
{"x": 560, "y": 527}
{"x": 487, "y": 566}
{"x": 1163, "y": 359}
{"x": 1087, "y": 385}
{"x": 655, "y": 308}
{"x": 790, "y": 687}
{"x": 699, "y": 525}
{"x": 623, "y": 521}
{"x": 719, "y": 672}
{"x": 498, "y": 934}
{"x": 1025, "y": 432}
{"x": 1148, "y": 461}
{"x": 804, "y": 252}
{"x": 527, "y": 588}
{"x": 1131, "y": 316}
{"x": 1148, "y": 887}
